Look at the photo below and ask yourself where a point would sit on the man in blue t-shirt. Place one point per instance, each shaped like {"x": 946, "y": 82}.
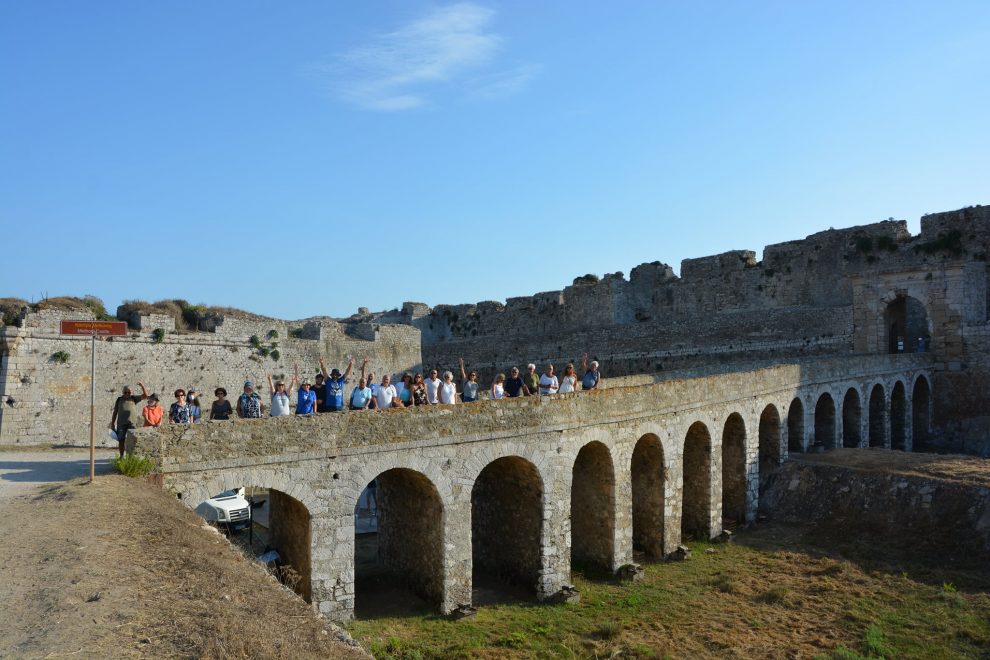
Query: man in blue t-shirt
{"x": 335, "y": 382}
{"x": 591, "y": 377}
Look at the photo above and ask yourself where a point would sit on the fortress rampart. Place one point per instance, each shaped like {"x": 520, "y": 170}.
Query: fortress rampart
{"x": 859, "y": 290}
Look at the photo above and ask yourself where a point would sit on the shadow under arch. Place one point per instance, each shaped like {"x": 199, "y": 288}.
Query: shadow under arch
{"x": 898, "y": 417}
{"x": 906, "y": 322}
{"x": 825, "y": 422}
{"x": 398, "y": 548}
{"x": 852, "y": 419}
{"x": 734, "y": 484}
{"x": 506, "y": 531}
{"x": 769, "y": 450}
{"x": 921, "y": 415}
{"x": 795, "y": 426}
{"x": 878, "y": 416}
{"x": 278, "y": 522}
{"x": 696, "y": 500}
{"x": 593, "y": 508}
{"x": 649, "y": 478}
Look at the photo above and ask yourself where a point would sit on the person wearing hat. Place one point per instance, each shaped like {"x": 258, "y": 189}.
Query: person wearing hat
{"x": 125, "y": 413}
{"x": 153, "y": 413}
{"x": 249, "y": 405}
{"x": 335, "y": 382}
{"x": 306, "y": 397}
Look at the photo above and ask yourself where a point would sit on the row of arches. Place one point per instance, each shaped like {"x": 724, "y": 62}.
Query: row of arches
{"x": 693, "y": 498}
{"x": 884, "y": 417}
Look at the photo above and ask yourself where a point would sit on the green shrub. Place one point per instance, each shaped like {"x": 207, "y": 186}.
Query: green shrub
{"x": 296, "y": 333}
{"x": 273, "y": 334}
{"x": 157, "y": 335}
{"x": 60, "y": 357}
{"x": 132, "y": 465}
{"x": 264, "y": 351}
{"x": 275, "y": 355}
{"x": 96, "y": 306}
{"x": 255, "y": 341}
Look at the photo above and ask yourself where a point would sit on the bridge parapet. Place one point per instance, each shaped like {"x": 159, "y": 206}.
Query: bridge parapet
{"x": 519, "y": 486}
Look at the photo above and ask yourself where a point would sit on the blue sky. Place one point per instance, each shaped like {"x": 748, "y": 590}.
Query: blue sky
{"x": 306, "y": 158}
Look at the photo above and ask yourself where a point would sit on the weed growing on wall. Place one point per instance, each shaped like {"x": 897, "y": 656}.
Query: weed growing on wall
{"x": 60, "y": 357}
{"x": 158, "y": 335}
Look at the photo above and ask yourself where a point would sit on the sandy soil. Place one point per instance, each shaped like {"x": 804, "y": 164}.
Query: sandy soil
{"x": 118, "y": 569}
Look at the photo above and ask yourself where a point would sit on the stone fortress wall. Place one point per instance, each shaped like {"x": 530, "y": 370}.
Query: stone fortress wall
{"x": 44, "y": 400}
{"x": 833, "y": 293}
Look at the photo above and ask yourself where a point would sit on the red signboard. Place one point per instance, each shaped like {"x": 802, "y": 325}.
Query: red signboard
{"x": 97, "y": 328}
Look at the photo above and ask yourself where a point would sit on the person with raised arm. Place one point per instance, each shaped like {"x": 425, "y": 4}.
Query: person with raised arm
{"x": 469, "y": 385}
{"x": 281, "y": 396}
{"x": 369, "y": 378}
{"x": 335, "y": 382}
{"x": 591, "y": 377}
{"x": 125, "y": 413}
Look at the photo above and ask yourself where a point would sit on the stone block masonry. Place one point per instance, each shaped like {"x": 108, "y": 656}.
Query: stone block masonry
{"x": 517, "y": 490}
{"x": 45, "y": 378}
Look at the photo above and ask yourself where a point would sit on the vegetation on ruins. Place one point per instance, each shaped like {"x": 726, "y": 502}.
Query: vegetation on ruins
{"x": 60, "y": 357}
{"x": 158, "y": 335}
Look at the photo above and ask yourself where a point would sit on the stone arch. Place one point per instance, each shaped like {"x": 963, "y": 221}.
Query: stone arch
{"x": 406, "y": 546}
{"x": 649, "y": 477}
{"x": 795, "y": 426}
{"x": 852, "y": 419}
{"x": 593, "y": 507}
{"x": 906, "y": 324}
{"x": 769, "y": 443}
{"x": 825, "y": 422}
{"x": 734, "y": 470}
{"x": 921, "y": 415}
{"x": 898, "y": 417}
{"x": 506, "y": 522}
{"x": 696, "y": 501}
{"x": 878, "y": 416}
{"x": 283, "y": 522}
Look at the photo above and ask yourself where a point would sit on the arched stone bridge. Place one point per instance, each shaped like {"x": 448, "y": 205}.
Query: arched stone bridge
{"x": 519, "y": 489}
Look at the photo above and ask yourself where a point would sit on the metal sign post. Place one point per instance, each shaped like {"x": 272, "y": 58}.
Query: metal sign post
{"x": 93, "y": 329}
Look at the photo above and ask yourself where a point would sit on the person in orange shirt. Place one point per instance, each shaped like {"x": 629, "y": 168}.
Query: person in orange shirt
{"x": 153, "y": 412}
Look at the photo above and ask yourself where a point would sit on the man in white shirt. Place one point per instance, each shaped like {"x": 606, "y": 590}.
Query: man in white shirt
{"x": 432, "y": 383}
{"x": 386, "y": 396}
{"x": 548, "y": 382}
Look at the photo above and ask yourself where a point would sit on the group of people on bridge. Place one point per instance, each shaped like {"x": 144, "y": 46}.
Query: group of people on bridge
{"x": 327, "y": 394}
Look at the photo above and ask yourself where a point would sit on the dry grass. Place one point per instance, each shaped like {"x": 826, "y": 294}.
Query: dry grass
{"x": 951, "y": 468}
{"x": 119, "y": 569}
{"x": 771, "y": 596}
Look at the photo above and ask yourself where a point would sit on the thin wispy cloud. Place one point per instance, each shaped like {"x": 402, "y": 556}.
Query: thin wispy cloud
{"x": 453, "y": 46}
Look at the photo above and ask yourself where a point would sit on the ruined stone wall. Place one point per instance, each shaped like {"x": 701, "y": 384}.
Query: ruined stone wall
{"x": 44, "y": 400}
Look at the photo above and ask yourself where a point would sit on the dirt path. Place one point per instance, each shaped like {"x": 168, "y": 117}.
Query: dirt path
{"x": 24, "y": 472}
{"x": 117, "y": 569}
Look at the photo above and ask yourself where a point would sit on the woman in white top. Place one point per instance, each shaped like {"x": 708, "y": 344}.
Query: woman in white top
{"x": 498, "y": 387}
{"x": 568, "y": 383}
{"x": 281, "y": 396}
{"x": 447, "y": 392}
{"x": 548, "y": 382}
